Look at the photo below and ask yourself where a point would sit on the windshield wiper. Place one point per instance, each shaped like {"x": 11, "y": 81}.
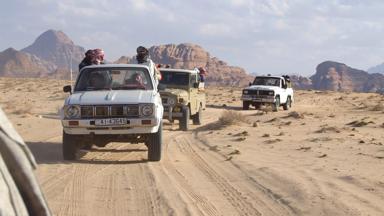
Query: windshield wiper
{"x": 96, "y": 89}
{"x": 128, "y": 87}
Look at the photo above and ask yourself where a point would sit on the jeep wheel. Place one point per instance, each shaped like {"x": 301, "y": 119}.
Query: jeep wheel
{"x": 70, "y": 146}
{"x": 184, "y": 121}
{"x": 197, "y": 117}
{"x": 276, "y": 105}
{"x": 154, "y": 144}
{"x": 87, "y": 146}
{"x": 287, "y": 105}
{"x": 246, "y": 105}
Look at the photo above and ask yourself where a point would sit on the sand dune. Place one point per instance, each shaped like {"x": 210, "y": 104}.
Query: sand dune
{"x": 325, "y": 156}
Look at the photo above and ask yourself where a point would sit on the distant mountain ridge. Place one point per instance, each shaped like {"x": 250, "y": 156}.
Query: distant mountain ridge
{"x": 337, "y": 76}
{"x": 52, "y": 52}
{"x": 14, "y": 63}
{"x": 377, "y": 69}
{"x": 56, "y": 47}
{"x": 189, "y": 56}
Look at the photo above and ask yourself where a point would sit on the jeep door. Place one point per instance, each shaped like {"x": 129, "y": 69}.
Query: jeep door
{"x": 193, "y": 92}
{"x": 283, "y": 91}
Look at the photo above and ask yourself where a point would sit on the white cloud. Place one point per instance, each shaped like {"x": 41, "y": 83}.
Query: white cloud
{"x": 216, "y": 29}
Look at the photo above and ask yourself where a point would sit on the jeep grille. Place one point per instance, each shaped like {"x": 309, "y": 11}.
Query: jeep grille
{"x": 258, "y": 92}
{"x": 109, "y": 111}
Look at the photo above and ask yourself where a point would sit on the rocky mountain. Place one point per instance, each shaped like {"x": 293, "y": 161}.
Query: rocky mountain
{"x": 301, "y": 82}
{"x": 15, "y": 63}
{"x": 340, "y": 77}
{"x": 377, "y": 69}
{"x": 188, "y": 56}
{"x": 56, "y": 47}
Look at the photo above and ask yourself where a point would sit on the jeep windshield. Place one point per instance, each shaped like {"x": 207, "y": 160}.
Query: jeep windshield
{"x": 174, "y": 78}
{"x": 266, "y": 81}
{"x": 94, "y": 79}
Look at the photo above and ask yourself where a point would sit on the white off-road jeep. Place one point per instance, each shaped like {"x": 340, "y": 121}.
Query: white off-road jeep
{"x": 273, "y": 90}
{"x": 112, "y": 103}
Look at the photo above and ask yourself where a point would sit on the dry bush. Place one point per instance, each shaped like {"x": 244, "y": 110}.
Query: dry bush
{"x": 295, "y": 115}
{"x": 378, "y": 107}
{"x": 360, "y": 123}
{"x": 328, "y": 129}
{"x": 230, "y": 117}
{"x": 22, "y": 110}
{"x": 272, "y": 141}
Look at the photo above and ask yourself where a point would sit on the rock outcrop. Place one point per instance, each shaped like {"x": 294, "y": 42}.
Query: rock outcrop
{"x": 189, "y": 56}
{"x": 377, "y": 69}
{"x": 15, "y": 63}
{"x": 336, "y": 76}
{"x": 57, "y": 48}
{"x": 301, "y": 82}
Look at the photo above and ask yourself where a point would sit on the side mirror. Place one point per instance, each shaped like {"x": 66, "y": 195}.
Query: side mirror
{"x": 196, "y": 85}
{"x": 250, "y": 84}
{"x": 67, "y": 88}
{"x": 161, "y": 87}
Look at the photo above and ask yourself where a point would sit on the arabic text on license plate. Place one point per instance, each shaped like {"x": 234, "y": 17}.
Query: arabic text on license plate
{"x": 114, "y": 121}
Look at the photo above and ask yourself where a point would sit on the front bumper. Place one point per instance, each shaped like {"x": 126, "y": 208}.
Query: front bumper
{"x": 170, "y": 114}
{"x": 134, "y": 126}
{"x": 257, "y": 98}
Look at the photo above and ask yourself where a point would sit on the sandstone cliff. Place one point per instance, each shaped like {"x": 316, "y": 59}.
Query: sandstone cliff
{"x": 15, "y": 63}
{"x": 340, "y": 77}
{"x": 189, "y": 56}
{"x": 57, "y": 48}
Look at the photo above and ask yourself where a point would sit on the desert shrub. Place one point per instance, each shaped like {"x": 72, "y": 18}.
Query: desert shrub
{"x": 296, "y": 115}
{"x": 230, "y": 117}
{"x": 378, "y": 107}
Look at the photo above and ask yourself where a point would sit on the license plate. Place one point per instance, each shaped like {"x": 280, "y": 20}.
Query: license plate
{"x": 114, "y": 121}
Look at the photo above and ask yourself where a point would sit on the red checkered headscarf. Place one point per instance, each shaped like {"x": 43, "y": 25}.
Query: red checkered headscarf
{"x": 99, "y": 54}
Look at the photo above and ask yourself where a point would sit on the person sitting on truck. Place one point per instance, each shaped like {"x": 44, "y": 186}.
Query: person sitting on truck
{"x": 88, "y": 59}
{"x": 98, "y": 56}
{"x": 142, "y": 57}
{"x": 202, "y": 75}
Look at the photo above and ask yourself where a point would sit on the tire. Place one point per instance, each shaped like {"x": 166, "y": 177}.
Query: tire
{"x": 70, "y": 146}
{"x": 246, "y": 105}
{"x": 154, "y": 144}
{"x": 198, "y": 116}
{"x": 184, "y": 121}
{"x": 288, "y": 104}
{"x": 276, "y": 105}
{"x": 87, "y": 146}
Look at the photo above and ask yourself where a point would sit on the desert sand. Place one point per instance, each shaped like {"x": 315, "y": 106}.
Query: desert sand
{"x": 325, "y": 156}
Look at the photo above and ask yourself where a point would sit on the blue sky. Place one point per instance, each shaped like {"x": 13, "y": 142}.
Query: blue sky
{"x": 262, "y": 36}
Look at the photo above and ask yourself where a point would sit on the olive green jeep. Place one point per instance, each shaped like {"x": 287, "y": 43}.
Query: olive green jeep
{"x": 181, "y": 96}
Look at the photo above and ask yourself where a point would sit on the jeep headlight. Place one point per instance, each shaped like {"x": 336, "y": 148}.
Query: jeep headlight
{"x": 171, "y": 101}
{"x": 72, "y": 111}
{"x": 245, "y": 92}
{"x": 271, "y": 93}
{"x": 146, "y": 110}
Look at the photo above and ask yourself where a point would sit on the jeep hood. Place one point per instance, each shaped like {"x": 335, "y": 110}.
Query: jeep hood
{"x": 174, "y": 92}
{"x": 111, "y": 97}
{"x": 262, "y": 87}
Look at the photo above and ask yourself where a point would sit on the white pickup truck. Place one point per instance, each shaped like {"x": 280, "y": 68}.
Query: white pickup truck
{"x": 112, "y": 103}
{"x": 274, "y": 90}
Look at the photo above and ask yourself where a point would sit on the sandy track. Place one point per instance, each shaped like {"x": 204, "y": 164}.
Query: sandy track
{"x": 117, "y": 180}
{"x": 316, "y": 163}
